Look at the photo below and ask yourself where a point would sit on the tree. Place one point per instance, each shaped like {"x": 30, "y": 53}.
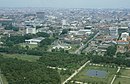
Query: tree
{"x": 24, "y": 72}
{"x": 46, "y": 41}
{"x": 42, "y": 34}
{"x": 64, "y": 31}
{"x": 111, "y": 50}
{"x": 9, "y": 43}
{"x": 119, "y": 82}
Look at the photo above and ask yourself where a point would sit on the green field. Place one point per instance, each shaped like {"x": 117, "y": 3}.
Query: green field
{"x": 22, "y": 57}
{"x": 82, "y": 76}
{"x": 122, "y": 81}
{"x": 125, "y": 72}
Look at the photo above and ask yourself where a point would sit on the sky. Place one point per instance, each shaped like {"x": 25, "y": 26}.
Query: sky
{"x": 67, "y": 3}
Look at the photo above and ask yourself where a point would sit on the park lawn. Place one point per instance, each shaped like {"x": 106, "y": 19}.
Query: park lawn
{"x": 122, "y": 80}
{"x": 82, "y": 76}
{"x": 125, "y": 72}
{"x": 30, "y": 58}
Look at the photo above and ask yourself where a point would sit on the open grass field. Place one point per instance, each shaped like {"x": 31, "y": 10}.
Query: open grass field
{"x": 125, "y": 79}
{"x": 83, "y": 77}
{"x": 22, "y": 57}
{"x": 122, "y": 80}
{"x": 125, "y": 72}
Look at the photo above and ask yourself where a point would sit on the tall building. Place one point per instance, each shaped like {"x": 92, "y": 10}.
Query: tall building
{"x": 40, "y": 15}
{"x": 113, "y": 31}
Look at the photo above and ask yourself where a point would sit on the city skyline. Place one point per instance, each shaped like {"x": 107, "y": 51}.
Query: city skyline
{"x": 67, "y": 3}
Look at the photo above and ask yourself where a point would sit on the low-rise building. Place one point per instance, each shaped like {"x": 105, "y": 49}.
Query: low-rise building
{"x": 34, "y": 40}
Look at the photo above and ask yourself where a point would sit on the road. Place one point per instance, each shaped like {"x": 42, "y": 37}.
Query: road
{"x": 78, "y": 51}
{"x": 76, "y": 72}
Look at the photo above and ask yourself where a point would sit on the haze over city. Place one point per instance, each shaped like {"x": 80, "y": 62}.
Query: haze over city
{"x": 64, "y": 41}
{"x": 67, "y": 3}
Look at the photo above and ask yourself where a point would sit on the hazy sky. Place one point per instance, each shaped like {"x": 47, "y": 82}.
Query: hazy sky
{"x": 67, "y": 3}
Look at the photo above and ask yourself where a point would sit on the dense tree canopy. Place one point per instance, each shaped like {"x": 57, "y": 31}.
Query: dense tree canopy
{"x": 109, "y": 60}
{"x": 42, "y": 34}
{"x": 111, "y": 50}
{"x": 63, "y": 60}
{"x": 23, "y": 72}
{"x": 46, "y": 41}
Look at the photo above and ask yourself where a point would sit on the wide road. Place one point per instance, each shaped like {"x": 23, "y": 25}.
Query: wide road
{"x": 76, "y": 72}
{"x": 78, "y": 51}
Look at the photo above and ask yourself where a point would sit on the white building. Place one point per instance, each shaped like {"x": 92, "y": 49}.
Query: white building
{"x": 31, "y": 30}
{"x": 34, "y": 40}
{"x": 85, "y": 31}
{"x": 124, "y": 36}
{"x": 64, "y": 22}
{"x": 113, "y": 32}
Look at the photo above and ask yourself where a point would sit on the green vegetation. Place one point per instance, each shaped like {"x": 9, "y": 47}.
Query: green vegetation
{"x": 29, "y": 45}
{"x": 125, "y": 72}
{"x": 4, "y": 79}
{"x": 82, "y": 76}
{"x": 74, "y": 47}
{"x": 124, "y": 77}
{"x": 11, "y": 27}
{"x": 111, "y": 50}
{"x": 109, "y": 60}
{"x": 63, "y": 60}
{"x": 46, "y": 41}
{"x": 56, "y": 59}
{"x": 64, "y": 31}
{"x": 24, "y": 72}
{"x": 29, "y": 58}
{"x": 42, "y": 34}
{"x": 122, "y": 81}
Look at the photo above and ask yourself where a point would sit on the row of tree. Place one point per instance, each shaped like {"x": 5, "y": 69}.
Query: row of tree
{"x": 110, "y": 60}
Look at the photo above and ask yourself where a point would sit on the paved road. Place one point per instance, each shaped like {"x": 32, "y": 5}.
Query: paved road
{"x": 76, "y": 72}
{"x": 78, "y": 51}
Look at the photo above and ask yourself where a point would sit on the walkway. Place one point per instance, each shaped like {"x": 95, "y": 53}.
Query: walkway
{"x": 115, "y": 76}
{"x": 125, "y": 76}
{"x": 76, "y": 72}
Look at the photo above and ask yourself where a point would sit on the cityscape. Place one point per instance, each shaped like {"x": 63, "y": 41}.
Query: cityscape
{"x": 64, "y": 45}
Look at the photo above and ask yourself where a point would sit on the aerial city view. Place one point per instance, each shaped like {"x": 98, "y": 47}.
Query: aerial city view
{"x": 65, "y": 42}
